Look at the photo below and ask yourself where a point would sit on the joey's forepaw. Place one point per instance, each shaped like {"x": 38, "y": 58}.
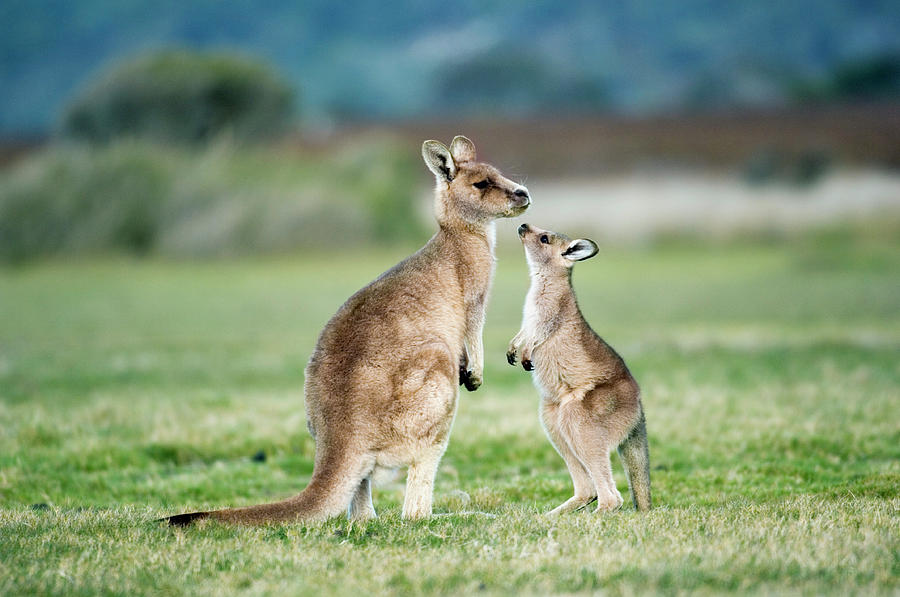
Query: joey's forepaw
{"x": 511, "y": 357}
{"x": 527, "y": 365}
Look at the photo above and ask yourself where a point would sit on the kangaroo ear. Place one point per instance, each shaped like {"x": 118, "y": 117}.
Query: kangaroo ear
{"x": 439, "y": 160}
{"x": 463, "y": 149}
{"x": 580, "y": 249}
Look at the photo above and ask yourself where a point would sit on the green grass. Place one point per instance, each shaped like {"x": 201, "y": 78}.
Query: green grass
{"x": 771, "y": 380}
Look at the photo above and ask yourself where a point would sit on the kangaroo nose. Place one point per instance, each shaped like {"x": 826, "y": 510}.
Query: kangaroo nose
{"x": 523, "y": 229}
{"x": 521, "y": 192}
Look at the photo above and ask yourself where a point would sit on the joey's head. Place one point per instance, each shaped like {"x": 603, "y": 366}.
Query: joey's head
{"x": 469, "y": 191}
{"x": 553, "y": 254}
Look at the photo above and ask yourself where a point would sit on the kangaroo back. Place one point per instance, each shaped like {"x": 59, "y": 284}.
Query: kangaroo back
{"x": 635, "y": 455}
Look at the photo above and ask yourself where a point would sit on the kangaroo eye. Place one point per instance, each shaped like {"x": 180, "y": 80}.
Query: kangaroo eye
{"x": 482, "y": 184}
{"x": 544, "y": 239}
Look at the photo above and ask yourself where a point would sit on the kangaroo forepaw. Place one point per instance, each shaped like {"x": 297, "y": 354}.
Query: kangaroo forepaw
{"x": 527, "y": 365}
{"x": 469, "y": 379}
{"x": 511, "y": 357}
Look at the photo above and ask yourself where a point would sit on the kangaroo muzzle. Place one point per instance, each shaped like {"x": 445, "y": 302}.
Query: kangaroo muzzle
{"x": 521, "y": 199}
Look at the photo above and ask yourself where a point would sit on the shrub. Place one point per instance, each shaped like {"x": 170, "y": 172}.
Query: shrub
{"x": 76, "y": 200}
{"x": 874, "y": 78}
{"x": 384, "y": 186}
{"x": 181, "y": 96}
{"x": 139, "y": 197}
{"x": 798, "y": 168}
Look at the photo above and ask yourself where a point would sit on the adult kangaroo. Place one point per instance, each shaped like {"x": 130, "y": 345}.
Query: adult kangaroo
{"x": 381, "y": 384}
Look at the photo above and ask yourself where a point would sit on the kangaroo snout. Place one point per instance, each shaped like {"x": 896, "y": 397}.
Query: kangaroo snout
{"x": 523, "y": 230}
{"x": 521, "y": 199}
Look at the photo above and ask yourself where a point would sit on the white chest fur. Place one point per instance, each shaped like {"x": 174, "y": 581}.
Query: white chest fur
{"x": 531, "y": 312}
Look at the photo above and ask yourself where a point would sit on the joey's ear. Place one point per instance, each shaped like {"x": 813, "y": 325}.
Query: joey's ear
{"x": 439, "y": 160}
{"x": 580, "y": 249}
{"x": 463, "y": 149}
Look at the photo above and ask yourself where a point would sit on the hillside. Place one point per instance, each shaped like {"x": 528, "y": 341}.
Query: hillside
{"x": 410, "y": 59}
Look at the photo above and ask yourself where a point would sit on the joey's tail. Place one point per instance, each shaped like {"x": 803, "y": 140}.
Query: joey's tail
{"x": 328, "y": 494}
{"x": 635, "y": 454}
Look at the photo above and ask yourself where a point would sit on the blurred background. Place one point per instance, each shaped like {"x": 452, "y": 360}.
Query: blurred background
{"x": 205, "y": 129}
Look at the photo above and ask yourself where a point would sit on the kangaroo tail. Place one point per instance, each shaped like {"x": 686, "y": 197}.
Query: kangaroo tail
{"x": 635, "y": 454}
{"x": 184, "y": 520}
{"x": 328, "y": 494}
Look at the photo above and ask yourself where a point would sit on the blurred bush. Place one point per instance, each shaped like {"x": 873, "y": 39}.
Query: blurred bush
{"x": 181, "y": 96}
{"x": 139, "y": 197}
{"x": 798, "y": 168}
{"x": 874, "y": 78}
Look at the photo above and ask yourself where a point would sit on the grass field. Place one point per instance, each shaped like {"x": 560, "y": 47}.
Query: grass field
{"x": 771, "y": 381}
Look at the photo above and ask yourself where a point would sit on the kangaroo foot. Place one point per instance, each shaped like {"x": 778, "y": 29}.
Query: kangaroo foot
{"x": 574, "y": 503}
{"x": 609, "y": 503}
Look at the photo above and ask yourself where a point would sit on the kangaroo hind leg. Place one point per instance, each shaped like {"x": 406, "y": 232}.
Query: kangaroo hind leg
{"x": 591, "y": 445}
{"x": 420, "y": 484}
{"x": 635, "y": 455}
{"x": 584, "y": 491}
{"x": 361, "y": 507}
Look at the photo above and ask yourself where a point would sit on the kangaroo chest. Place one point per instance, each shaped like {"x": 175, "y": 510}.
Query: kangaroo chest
{"x": 561, "y": 362}
{"x": 560, "y": 367}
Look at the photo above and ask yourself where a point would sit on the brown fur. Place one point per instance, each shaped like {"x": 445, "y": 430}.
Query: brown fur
{"x": 590, "y": 402}
{"x": 381, "y": 384}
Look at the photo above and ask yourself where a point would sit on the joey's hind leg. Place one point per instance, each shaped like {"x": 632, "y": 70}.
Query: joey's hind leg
{"x": 614, "y": 496}
{"x": 361, "y": 507}
{"x": 588, "y": 440}
{"x": 584, "y": 492}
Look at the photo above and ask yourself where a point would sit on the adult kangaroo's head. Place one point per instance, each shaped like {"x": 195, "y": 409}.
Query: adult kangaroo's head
{"x": 469, "y": 191}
